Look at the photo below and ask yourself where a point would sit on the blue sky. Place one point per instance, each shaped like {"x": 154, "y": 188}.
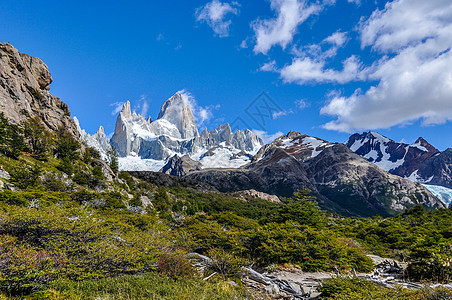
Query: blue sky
{"x": 330, "y": 67}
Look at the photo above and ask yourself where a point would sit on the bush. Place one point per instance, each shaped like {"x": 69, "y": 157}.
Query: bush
{"x": 90, "y": 154}
{"x": 67, "y": 147}
{"x": 175, "y": 265}
{"x": 39, "y": 140}
{"x": 11, "y": 138}
{"x": 81, "y": 178}
{"x": 65, "y": 165}
{"x": 97, "y": 173}
{"x": 224, "y": 262}
{"x": 24, "y": 176}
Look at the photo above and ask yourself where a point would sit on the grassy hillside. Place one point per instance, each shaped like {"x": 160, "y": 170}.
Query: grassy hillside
{"x": 71, "y": 227}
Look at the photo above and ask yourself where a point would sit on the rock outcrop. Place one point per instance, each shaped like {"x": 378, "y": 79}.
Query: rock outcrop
{"x": 180, "y": 166}
{"x": 24, "y": 91}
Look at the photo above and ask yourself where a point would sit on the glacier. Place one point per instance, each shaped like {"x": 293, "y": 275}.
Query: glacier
{"x": 442, "y": 193}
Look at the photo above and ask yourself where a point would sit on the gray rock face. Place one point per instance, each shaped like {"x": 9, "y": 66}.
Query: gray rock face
{"x": 4, "y": 174}
{"x": 24, "y": 91}
{"x": 341, "y": 180}
{"x": 177, "y": 110}
{"x": 180, "y": 166}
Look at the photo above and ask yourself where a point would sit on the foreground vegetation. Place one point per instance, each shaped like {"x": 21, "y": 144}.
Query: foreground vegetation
{"x": 72, "y": 227}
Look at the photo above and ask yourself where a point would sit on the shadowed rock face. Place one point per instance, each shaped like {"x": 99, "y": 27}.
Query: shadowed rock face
{"x": 438, "y": 169}
{"x": 180, "y": 166}
{"x": 24, "y": 91}
{"x": 341, "y": 180}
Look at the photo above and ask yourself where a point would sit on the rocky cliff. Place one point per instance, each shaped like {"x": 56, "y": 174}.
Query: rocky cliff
{"x": 24, "y": 91}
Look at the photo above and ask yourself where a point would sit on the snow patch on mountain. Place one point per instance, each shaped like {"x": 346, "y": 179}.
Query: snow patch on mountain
{"x": 135, "y": 163}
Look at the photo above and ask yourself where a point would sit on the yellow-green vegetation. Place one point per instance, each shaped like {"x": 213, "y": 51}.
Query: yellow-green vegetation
{"x": 69, "y": 232}
{"x": 421, "y": 238}
{"x": 145, "y": 286}
{"x": 345, "y": 288}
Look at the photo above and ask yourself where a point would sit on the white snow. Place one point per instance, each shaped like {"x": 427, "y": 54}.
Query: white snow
{"x": 222, "y": 158}
{"x": 416, "y": 178}
{"x": 317, "y": 145}
{"x": 419, "y": 146}
{"x": 136, "y": 163}
{"x": 373, "y": 154}
{"x": 286, "y": 143}
{"x": 442, "y": 193}
{"x": 358, "y": 144}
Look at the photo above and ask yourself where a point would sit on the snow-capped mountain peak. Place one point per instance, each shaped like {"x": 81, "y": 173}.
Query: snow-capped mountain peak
{"x": 143, "y": 144}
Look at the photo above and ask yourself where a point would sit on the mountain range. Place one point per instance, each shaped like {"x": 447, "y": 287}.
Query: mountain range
{"x": 342, "y": 180}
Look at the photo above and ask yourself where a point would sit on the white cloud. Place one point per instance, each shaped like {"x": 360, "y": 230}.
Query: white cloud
{"x": 310, "y": 63}
{"x": 405, "y": 23}
{"x": 117, "y": 107}
{"x": 269, "y": 67}
{"x": 244, "y": 44}
{"x": 282, "y": 113}
{"x": 414, "y": 80}
{"x": 338, "y": 39}
{"x": 143, "y": 105}
{"x": 281, "y": 30}
{"x": 305, "y": 70}
{"x": 357, "y": 2}
{"x": 301, "y": 104}
{"x": 214, "y": 14}
{"x": 266, "y": 137}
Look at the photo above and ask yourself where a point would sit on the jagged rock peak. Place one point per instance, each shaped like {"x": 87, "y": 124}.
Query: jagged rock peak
{"x": 101, "y": 130}
{"x": 126, "y": 111}
{"x": 177, "y": 110}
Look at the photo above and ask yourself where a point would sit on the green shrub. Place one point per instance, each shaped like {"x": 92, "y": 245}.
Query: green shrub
{"x": 67, "y": 147}
{"x": 11, "y": 138}
{"x": 65, "y": 165}
{"x": 81, "y": 178}
{"x": 38, "y": 138}
{"x": 90, "y": 154}
{"x": 224, "y": 262}
{"x": 97, "y": 173}
{"x": 24, "y": 176}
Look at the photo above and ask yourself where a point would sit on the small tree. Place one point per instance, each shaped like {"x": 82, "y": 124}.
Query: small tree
{"x": 67, "y": 147}
{"x": 112, "y": 157}
{"x": 11, "y": 138}
{"x": 37, "y": 137}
